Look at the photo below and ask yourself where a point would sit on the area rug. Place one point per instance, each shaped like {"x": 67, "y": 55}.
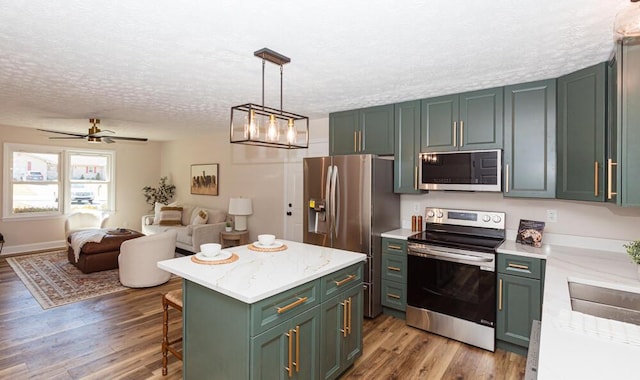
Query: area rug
{"x": 53, "y": 281}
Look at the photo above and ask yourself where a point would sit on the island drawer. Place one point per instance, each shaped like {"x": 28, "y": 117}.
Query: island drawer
{"x": 341, "y": 280}
{"x": 274, "y": 310}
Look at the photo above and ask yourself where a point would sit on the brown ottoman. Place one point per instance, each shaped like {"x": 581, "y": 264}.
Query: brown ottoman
{"x": 103, "y": 255}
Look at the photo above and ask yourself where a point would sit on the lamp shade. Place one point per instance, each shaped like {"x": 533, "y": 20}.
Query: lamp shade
{"x": 240, "y": 206}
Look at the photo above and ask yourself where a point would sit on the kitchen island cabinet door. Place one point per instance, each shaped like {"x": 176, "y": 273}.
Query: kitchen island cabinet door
{"x": 289, "y": 350}
{"x": 581, "y": 135}
{"x": 341, "y": 332}
{"x": 407, "y": 140}
{"x": 530, "y": 140}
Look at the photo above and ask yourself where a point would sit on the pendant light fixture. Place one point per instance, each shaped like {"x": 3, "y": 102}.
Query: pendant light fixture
{"x": 254, "y": 124}
{"x": 627, "y": 24}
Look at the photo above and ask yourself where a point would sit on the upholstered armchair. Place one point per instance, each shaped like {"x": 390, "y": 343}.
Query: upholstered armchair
{"x": 83, "y": 220}
{"x": 138, "y": 260}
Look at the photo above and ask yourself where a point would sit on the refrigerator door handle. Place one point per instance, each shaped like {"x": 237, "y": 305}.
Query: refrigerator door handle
{"x": 327, "y": 192}
{"x": 335, "y": 201}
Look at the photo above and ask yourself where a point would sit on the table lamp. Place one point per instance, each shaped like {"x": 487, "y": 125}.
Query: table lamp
{"x": 240, "y": 208}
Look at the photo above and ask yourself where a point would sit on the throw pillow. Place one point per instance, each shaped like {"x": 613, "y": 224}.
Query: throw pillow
{"x": 201, "y": 217}
{"x": 170, "y": 216}
{"x": 158, "y": 207}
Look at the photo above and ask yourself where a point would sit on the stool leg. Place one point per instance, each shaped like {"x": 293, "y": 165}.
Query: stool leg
{"x": 165, "y": 334}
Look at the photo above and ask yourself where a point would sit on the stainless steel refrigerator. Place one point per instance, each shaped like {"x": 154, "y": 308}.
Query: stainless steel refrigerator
{"x": 349, "y": 201}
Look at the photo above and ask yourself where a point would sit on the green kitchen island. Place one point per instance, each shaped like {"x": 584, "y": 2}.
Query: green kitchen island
{"x": 290, "y": 314}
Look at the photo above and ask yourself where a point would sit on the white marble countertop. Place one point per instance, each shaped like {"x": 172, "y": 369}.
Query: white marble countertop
{"x": 259, "y": 275}
{"x": 574, "y": 345}
{"x": 401, "y": 233}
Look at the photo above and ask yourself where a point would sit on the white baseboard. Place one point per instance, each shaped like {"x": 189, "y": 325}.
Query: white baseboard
{"x": 24, "y": 248}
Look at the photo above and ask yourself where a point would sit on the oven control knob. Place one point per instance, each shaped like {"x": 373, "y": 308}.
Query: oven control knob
{"x": 430, "y": 214}
{"x": 440, "y": 214}
{"x": 486, "y": 218}
{"x": 497, "y": 219}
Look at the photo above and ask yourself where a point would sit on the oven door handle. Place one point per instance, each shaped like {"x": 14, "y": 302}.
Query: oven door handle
{"x": 443, "y": 254}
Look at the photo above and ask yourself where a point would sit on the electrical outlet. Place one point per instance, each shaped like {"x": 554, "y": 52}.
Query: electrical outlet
{"x": 416, "y": 207}
{"x": 552, "y": 216}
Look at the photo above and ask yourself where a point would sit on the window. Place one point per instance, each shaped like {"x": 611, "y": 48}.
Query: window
{"x": 48, "y": 181}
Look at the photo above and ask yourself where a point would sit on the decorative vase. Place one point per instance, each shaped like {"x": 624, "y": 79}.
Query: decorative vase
{"x": 228, "y": 229}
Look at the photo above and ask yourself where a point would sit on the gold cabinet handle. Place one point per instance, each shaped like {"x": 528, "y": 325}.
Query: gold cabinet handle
{"x": 506, "y": 180}
{"x": 391, "y": 295}
{"x": 293, "y": 304}
{"x": 595, "y": 178}
{"x": 455, "y": 134}
{"x": 297, "y": 362}
{"x": 518, "y": 266}
{"x": 395, "y": 269}
{"x": 342, "y": 282}
{"x": 415, "y": 177}
{"x": 349, "y": 317}
{"x": 500, "y": 294}
{"x": 290, "y": 361}
{"x": 360, "y": 141}
{"x": 461, "y": 133}
{"x": 344, "y": 318}
{"x": 610, "y": 165}
{"x": 391, "y": 246}
{"x": 355, "y": 140}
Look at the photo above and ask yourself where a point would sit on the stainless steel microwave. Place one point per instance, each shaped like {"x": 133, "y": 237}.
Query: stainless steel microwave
{"x": 474, "y": 170}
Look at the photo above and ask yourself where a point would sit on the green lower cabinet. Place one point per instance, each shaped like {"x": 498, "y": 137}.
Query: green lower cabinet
{"x": 341, "y": 340}
{"x": 394, "y": 277}
{"x": 519, "y": 306}
{"x": 288, "y": 351}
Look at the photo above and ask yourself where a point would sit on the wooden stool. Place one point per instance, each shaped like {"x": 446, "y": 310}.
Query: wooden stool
{"x": 173, "y": 299}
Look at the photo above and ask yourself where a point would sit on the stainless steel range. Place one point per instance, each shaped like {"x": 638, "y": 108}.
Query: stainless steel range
{"x": 451, "y": 285}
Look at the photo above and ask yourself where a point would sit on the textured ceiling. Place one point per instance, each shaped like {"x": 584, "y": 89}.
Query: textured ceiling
{"x": 164, "y": 69}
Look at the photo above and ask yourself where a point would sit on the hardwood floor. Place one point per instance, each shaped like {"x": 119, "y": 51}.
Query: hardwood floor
{"x": 118, "y": 336}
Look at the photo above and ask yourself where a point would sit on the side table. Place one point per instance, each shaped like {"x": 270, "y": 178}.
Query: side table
{"x": 233, "y": 238}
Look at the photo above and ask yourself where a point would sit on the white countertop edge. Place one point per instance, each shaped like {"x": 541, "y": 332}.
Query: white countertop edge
{"x": 400, "y": 234}
{"x": 267, "y": 294}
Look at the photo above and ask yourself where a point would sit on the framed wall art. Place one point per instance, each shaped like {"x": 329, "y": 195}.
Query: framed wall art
{"x": 204, "y": 179}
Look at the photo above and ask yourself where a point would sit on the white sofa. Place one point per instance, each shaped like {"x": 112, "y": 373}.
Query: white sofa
{"x": 190, "y": 235}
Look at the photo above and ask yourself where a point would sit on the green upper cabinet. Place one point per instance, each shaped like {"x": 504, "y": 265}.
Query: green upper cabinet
{"x": 581, "y": 134}
{"x": 628, "y": 123}
{"x": 530, "y": 140}
{"x": 407, "y": 141}
{"x": 468, "y": 121}
{"x": 364, "y": 131}
{"x": 612, "y": 132}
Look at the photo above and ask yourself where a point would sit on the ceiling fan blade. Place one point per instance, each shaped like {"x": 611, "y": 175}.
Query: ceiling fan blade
{"x": 100, "y": 134}
{"x": 107, "y": 140}
{"x": 63, "y": 133}
{"x": 65, "y": 138}
{"x": 127, "y": 138}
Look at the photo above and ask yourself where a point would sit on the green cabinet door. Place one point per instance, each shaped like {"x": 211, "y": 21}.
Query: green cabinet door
{"x": 343, "y": 132}
{"x": 611, "y": 174}
{"x": 341, "y": 332}
{"x": 519, "y": 303}
{"x": 439, "y": 122}
{"x": 581, "y": 132}
{"x": 481, "y": 119}
{"x": 407, "y": 147}
{"x": 530, "y": 140}
{"x": 289, "y": 350}
{"x": 628, "y": 123}
{"x": 376, "y": 130}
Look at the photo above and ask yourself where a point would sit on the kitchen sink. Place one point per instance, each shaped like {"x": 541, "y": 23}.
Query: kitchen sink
{"x": 604, "y": 302}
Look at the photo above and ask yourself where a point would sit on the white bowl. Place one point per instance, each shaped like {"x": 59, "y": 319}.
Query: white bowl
{"x": 266, "y": 239}
{"x": 210, "y": 249}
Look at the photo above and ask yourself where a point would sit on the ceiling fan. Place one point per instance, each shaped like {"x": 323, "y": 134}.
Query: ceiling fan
{"x": 95, "y": 134}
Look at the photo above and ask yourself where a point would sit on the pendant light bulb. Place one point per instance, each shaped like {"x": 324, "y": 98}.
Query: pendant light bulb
{"x": 272, "y": 130}
{"x": 627, "y": 22}
{"x": 291, "y": 132}
{"x": 254, "y": 128}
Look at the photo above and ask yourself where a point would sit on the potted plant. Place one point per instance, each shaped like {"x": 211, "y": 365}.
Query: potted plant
{"x": 161, "y": 194}
{"x": 633, "y": 249}
{"x": 229, "y": 226}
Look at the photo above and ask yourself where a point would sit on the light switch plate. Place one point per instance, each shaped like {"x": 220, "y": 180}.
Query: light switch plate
{"x": 552, "y": 216}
